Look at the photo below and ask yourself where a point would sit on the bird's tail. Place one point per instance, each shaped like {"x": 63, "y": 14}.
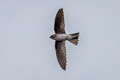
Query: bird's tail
{"x": 75, "y": 37}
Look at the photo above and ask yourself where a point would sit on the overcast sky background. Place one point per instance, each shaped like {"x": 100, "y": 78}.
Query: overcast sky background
{"x": 27, "y": 53}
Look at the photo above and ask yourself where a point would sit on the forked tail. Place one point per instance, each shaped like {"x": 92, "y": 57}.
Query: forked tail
{"x": 75, "y": 37}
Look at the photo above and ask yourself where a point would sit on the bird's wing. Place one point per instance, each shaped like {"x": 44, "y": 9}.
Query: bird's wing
{"x": 61, "y": 53}
{"x": 59, "y": 25}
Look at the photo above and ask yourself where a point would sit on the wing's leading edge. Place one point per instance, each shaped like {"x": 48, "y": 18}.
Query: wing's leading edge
{"x": 59, "y": 25}
{"x": 61, "y": 53}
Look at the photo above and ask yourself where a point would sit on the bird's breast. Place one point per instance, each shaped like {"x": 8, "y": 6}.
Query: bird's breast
{"x": 60, "y": 37}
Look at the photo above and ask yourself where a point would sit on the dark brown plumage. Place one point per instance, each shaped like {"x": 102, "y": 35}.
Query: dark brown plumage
{"x": 61, "y": 53}
{"x": 60, "y": 37}
{"x": 59, "y": 27}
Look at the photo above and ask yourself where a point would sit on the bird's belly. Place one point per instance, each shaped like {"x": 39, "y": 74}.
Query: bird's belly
{"x": 60, "y": 37}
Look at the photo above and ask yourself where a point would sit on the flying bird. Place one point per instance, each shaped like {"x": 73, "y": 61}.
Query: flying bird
{"x": 61, "y": 37}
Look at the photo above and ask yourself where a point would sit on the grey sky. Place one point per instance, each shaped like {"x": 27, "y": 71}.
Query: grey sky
{"x": 27, "y": 53}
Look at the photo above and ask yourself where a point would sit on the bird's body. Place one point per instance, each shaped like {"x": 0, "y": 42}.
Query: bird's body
{"x": 60, "y": 37}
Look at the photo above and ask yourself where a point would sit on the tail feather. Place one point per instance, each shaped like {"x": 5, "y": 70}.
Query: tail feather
{"x": 75, "y": 37}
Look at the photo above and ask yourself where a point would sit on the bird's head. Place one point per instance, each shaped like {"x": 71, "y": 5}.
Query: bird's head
{"x": 52, "y": 36}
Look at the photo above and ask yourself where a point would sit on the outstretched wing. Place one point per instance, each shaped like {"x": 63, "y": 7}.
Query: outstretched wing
{"x": 59, "y": 26}
{"x": 61, "y": 53}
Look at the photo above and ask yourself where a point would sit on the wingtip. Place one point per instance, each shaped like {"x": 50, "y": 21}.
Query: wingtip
{"x": 64, "y": 69}
{"x": 61, "y": 9}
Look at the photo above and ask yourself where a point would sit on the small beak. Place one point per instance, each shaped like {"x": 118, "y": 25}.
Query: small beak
{"x": 51, "y": 37}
